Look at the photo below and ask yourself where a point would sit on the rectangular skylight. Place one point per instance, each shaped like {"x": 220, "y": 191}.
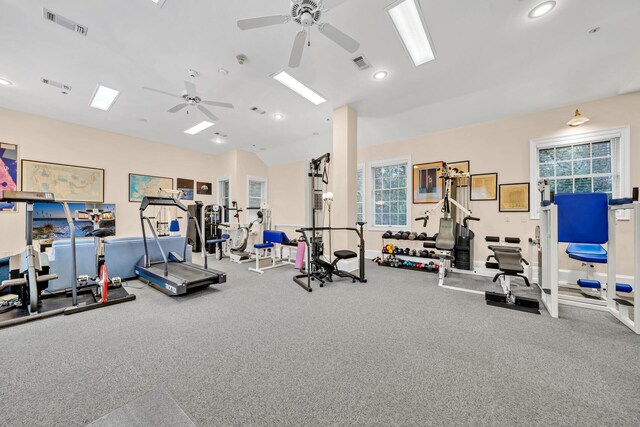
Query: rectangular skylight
{"x": 199, "y": 128}
{"x": 299, "y": 88}
{"x": 159, "y": 2}
{"x": 104, "y": 97}
{"x": 407, "y": 18}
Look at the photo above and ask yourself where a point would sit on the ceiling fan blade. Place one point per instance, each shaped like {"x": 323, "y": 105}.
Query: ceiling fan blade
{"x": 161, "y": 91}
{"x": 208, "y": 113}
{"x": 346, "y": 42}
{"x": 298, "y": 49}
{"x": 177, "y": 108}
{"x": 218, "y": 104}
{"x": 191, "y": 88}
{"x": 331, "y": 4}
{"x": 264, "y": 21}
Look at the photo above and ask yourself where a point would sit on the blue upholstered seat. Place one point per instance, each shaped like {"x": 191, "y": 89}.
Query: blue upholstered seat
{"x": 587, "y": 252}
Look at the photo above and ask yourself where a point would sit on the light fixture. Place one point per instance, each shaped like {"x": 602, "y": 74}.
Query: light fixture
{"x": 542, "y": 9}
{"x": 299, "y": 88}
{"x": 218, "y": 140}
{"x": 380, "y": 75}
{"x": 159, "y": 2}
{"x": 407, "y": 19}
{"x": 278, "y": 116}
{"x": 223, "y": 71}
{"x": 103, "y": 98}
{"x": 5, "y": 82}
{"x": 199, "y": 128}
{"x": 577, "y": 120}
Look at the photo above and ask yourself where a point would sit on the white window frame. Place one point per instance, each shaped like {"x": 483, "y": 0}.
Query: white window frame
{"x": 622, "y": 134}
{"x": 363, "y": 191}
{"x": 370, "y": 191}
{"x": 219, "y": 181}
{"x": 265, "y": 194}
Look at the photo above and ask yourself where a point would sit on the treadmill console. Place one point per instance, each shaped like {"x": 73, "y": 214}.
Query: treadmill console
{"x": 28, "y": 196}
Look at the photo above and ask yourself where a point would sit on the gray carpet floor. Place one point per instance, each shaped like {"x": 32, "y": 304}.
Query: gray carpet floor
{"x": 259, "y": 350}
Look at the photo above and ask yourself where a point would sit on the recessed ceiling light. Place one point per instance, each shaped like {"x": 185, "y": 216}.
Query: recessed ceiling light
{"x": 218, "y": 140}
{"x": 407, "y": 19}
{"x": 103, "y": 97}
{"x": 299, "y": 88}
{"x": 278, "y": 116}
{"x": 5, "y": 82}
{"x": 223, "y": 71}
{"x": 380, "y": 75}
{"x": 542, "y": 9}
{"x": 199, "y": 128}
{"x": 159, "y": 2}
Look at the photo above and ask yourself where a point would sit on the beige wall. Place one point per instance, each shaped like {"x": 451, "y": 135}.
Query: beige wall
{"x": 43, "y": 139}
{"x": 287, "y": 195}
{"x": 500, "y": 146}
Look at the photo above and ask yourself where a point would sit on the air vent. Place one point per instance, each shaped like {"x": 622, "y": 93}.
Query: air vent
{"x": 67, "y": 23}
{"x": 361, "y": 62}
{"x": 222, "y": 135}
{"x": 56, "y": 84}
{"x": 258, "y": 110}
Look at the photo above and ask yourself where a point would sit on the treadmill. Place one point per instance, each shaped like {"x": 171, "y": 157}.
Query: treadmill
{"x": 173, "y": 275}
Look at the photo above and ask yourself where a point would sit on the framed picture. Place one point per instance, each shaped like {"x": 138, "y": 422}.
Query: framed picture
{"x": 514, "y": 197}
{"x": 8, "y": 173}
{"x": 186, "y": 186}
{"x": 68, "y": 183}
{"x": 147, "y": 185}
{"x": 50, "y": 223}
{"x": 463, "y": 166}
{"x": 484, "y": 186}
{"x": 427, "y": 185}
{"x": 205, "y": 188}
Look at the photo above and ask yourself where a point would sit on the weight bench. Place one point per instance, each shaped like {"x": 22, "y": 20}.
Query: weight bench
{"x": 271, "y": 240}
{"x": 510, "y": 262}
{"x": 219, "y": 242}
{"x": 589, "y": 254}
{"x": 331, "y": 268}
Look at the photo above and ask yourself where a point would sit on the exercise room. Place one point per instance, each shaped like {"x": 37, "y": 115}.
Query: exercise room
{"x": 319, "y": 212}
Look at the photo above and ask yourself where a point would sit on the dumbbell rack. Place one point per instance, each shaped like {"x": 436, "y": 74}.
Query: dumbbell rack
{"x": 404, "y": 257}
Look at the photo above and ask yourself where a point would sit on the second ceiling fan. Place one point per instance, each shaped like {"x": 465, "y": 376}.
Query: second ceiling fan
{"x": 305, "y": 13}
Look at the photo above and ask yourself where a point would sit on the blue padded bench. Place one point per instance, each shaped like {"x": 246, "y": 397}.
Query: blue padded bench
{"x": 587, "y": 253}
{"x": 270, "y": 239}
{"x": 60, "y": 262}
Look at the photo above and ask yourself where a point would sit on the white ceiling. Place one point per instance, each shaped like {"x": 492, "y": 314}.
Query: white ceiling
{"x": 492, "y": 62}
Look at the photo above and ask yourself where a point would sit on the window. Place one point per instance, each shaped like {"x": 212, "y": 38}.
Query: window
{"x": 588, "y": 163}
{"x": 360, "y": 193}
{"x": 224, "y": 195}
{"x": 257, "y": 196}
{"x": 390, "y": 193}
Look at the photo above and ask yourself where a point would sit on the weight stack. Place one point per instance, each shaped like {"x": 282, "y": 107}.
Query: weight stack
{"x": 463, "y": 251}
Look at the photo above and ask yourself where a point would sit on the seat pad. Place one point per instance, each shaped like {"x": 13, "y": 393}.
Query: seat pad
{"x": 587, "y": 252}
{"x": 345, "y": 254}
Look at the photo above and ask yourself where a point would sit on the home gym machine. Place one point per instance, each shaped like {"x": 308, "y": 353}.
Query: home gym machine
{"x": 30, "y": 274}
{"x": 318, "y": 268}
{"x": 453, "y": 238}
{"x": 173, "y": 275}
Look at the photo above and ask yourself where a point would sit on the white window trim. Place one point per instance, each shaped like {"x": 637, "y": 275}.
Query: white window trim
{"x": 371, "y": 198}
{"x": 622, "y": 133}
{"x": 361, "y": 166}
{"x": 219, "y": 193}
{"x": 266, "y": 189}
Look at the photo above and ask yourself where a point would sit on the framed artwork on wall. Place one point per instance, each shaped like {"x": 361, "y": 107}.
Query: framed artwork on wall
{"x": 8, "y": 173}
{"x": 68, "y": 183}
{"x": 205, "y": 188}
{"x": 514, "y": 197}
{"x": 484, "y": 186}
{"x": 147, "y": 185}
{"x": 463, "y": 166}
{"x": 49, "y": 222}
{"x": 186, "y": 186}
{"x": 427, "y": 185}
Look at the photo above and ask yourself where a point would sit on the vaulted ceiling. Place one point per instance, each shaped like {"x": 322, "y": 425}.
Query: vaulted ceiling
{"x": 492, "y": 61}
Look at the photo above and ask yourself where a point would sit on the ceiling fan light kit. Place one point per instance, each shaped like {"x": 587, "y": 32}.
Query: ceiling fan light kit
{"x": 305, "y": 13}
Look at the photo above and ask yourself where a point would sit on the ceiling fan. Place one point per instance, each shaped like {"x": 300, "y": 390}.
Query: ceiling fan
{"x": 190, "y": 98}
{"x": 305, "y": 13}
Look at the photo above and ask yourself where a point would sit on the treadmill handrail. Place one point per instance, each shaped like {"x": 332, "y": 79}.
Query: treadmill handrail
{"x": 161, "y": 201}
{"x": 147, "y": 260}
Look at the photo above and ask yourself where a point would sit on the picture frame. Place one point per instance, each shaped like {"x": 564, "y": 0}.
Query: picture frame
{"x": 186, "y": 186}
{"x": 427, "y": 185}
{"x": 514, "y": 197}
{"x": 8, "y": 174}
{"x": 68, "y": 183}
{"x": 147, "y": 185}
{"x": 463, "y": 166}
{"x": 204, "y": 188}
{"x": 484, "y": 187}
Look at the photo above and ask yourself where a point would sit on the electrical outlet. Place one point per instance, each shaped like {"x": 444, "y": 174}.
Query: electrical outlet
{"x": 507, "y": 219}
